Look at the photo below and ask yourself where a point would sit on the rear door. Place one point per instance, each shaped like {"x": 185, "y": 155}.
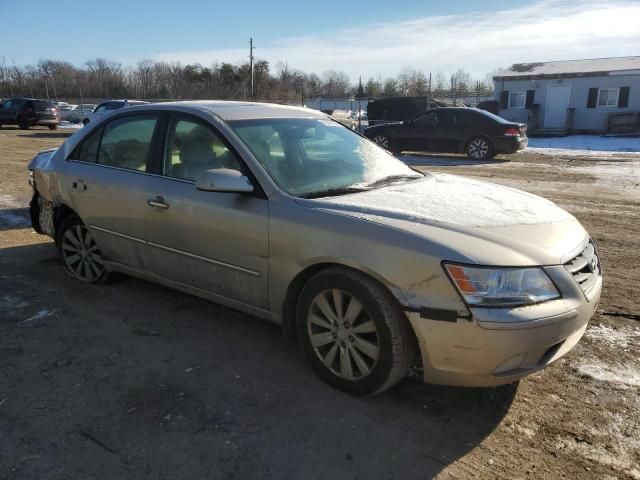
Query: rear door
{"x": 216, "y": 242}
{"x": 456, "y": 126}
{"x": 420, "y": 132}
{"x": 106, "y": 177}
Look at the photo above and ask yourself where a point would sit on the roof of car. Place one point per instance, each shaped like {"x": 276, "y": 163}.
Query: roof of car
{"x": 228, "y": 110}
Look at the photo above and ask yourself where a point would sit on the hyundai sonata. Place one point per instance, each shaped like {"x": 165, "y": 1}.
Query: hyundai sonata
{"x": 379, "y": 270}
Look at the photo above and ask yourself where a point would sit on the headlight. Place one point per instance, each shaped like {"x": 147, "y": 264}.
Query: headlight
{"x": 502, "y": 287}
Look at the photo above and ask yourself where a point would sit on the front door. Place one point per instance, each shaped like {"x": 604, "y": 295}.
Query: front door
{"x": 557, "y": 104}
{"x": 213, "y": 241}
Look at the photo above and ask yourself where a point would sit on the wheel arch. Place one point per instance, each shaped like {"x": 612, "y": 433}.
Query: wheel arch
{"x": 298, "y": 282}
{"x": 465, "y": 145}
{"x": 60, "y": 212}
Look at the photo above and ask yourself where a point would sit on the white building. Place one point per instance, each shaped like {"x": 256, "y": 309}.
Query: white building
{"x": 573, "y": 95}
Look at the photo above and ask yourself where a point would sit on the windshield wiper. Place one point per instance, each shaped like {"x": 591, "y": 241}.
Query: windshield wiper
{"x": 333, "y": 192}
{"x": 393, "y": 178}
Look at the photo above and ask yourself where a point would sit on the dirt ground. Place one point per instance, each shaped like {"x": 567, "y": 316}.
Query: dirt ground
{"x": 133, "y": 380}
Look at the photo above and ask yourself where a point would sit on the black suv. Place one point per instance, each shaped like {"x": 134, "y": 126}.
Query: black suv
{"x": 478, "y": 133}
{"x": 26, "y": 112}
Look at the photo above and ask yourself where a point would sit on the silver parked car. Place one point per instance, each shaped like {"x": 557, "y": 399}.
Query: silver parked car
{"x": 282, "y": 212}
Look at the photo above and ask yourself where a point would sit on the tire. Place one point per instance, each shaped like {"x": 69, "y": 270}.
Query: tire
{"x": 23, "y": 123}
{"x": 382, "y": 140}
{"x": 85, "y": 121}
{"x": 53, "y": 127}
{"x": 363, "y": 347}
{"x": 480, "y": 148}
{"x": 79, "y": 253}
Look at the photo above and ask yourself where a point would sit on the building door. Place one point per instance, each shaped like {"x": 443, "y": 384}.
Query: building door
{"x": 557, "y": 104}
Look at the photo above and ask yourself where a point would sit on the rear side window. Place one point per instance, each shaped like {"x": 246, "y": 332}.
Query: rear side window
{"x": 87, "y": 151}
{"x": 428, "y": 119}
{"x": 126, "y": 142}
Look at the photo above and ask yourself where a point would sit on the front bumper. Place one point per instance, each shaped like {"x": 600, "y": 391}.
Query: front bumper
{"x": 500, "y": 346}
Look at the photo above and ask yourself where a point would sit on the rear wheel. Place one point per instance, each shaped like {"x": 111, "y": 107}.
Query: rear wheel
{"x": 480, "y": 148}
{"x": 353, "y": 332}
{"x": 79, "y": 253}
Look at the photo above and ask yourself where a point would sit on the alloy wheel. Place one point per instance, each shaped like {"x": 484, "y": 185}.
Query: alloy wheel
{"x": 382, "y": 141}
{"x": 343, "y": 335}
{"x": 81, "y": 255}
{"x": 478, "y": 148}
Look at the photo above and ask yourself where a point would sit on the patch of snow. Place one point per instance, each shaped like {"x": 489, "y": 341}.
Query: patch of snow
{"x": 10, "y": 303}
{"x": 451, "y": 199}
{"x": 621, "y": 338}
{"x": 623, "y": 376}
{"x": 613, "y": 173}
{"x": 41, "y": 314}
{"x": 619, "y": 461}
{"x": 586, "y": 144}
{"x": 10, "y": 214}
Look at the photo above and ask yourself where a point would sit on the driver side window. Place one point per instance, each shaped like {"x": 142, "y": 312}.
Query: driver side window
{"x": 192, "y": 148}
{"x": 429, "y": 119}
{"x": 101, "y": 108}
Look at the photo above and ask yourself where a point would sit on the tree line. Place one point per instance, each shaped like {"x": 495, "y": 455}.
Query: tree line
{"x": 151, "y": 79}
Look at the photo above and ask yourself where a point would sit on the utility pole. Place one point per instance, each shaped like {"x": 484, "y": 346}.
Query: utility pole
{"x": 251, "y": 47}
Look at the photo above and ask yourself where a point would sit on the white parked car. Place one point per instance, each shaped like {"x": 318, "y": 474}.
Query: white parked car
{"x": 78, "y": 112}
{"x": 108, "y": 106}
{"x": 64, "y": 110}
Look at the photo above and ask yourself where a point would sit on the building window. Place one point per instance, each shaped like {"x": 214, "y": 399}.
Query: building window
{"x": 608, "y": 97}
{"x": 517, "y": 99}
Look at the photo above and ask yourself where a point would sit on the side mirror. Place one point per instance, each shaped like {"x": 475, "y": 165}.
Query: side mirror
{"x": 224, "y": 180}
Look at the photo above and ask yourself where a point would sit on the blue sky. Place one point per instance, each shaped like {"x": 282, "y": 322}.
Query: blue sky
{"x": 368, "y": 39}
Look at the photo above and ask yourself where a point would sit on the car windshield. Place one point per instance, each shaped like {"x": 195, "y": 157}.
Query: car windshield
{"x": 314, "y": 157}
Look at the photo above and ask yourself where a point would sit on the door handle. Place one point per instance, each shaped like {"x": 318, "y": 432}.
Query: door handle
{"x": 157, "y": 202}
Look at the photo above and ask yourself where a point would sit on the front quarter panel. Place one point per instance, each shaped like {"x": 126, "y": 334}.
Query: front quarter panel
{"x": 409, "y": 266}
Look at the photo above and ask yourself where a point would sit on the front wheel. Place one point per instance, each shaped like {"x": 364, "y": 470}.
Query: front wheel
{"x": 353, "y": 332}
{"x": 479, "y": 148}
{"x": 23, "y": 123}
{"x": 53, "y": 127}
{"x": 382, "y": 140}
{"x": 79, "y": 253}
{"x": 85, "y": 121}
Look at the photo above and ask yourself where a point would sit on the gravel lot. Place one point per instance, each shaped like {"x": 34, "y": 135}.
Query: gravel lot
{"x": 133, "y": 380}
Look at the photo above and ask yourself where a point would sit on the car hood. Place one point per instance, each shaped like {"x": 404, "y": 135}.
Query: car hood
{"x": 449, "y": 209}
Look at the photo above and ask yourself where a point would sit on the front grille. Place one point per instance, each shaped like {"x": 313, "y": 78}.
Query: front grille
{"x": 585, "y": 268}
